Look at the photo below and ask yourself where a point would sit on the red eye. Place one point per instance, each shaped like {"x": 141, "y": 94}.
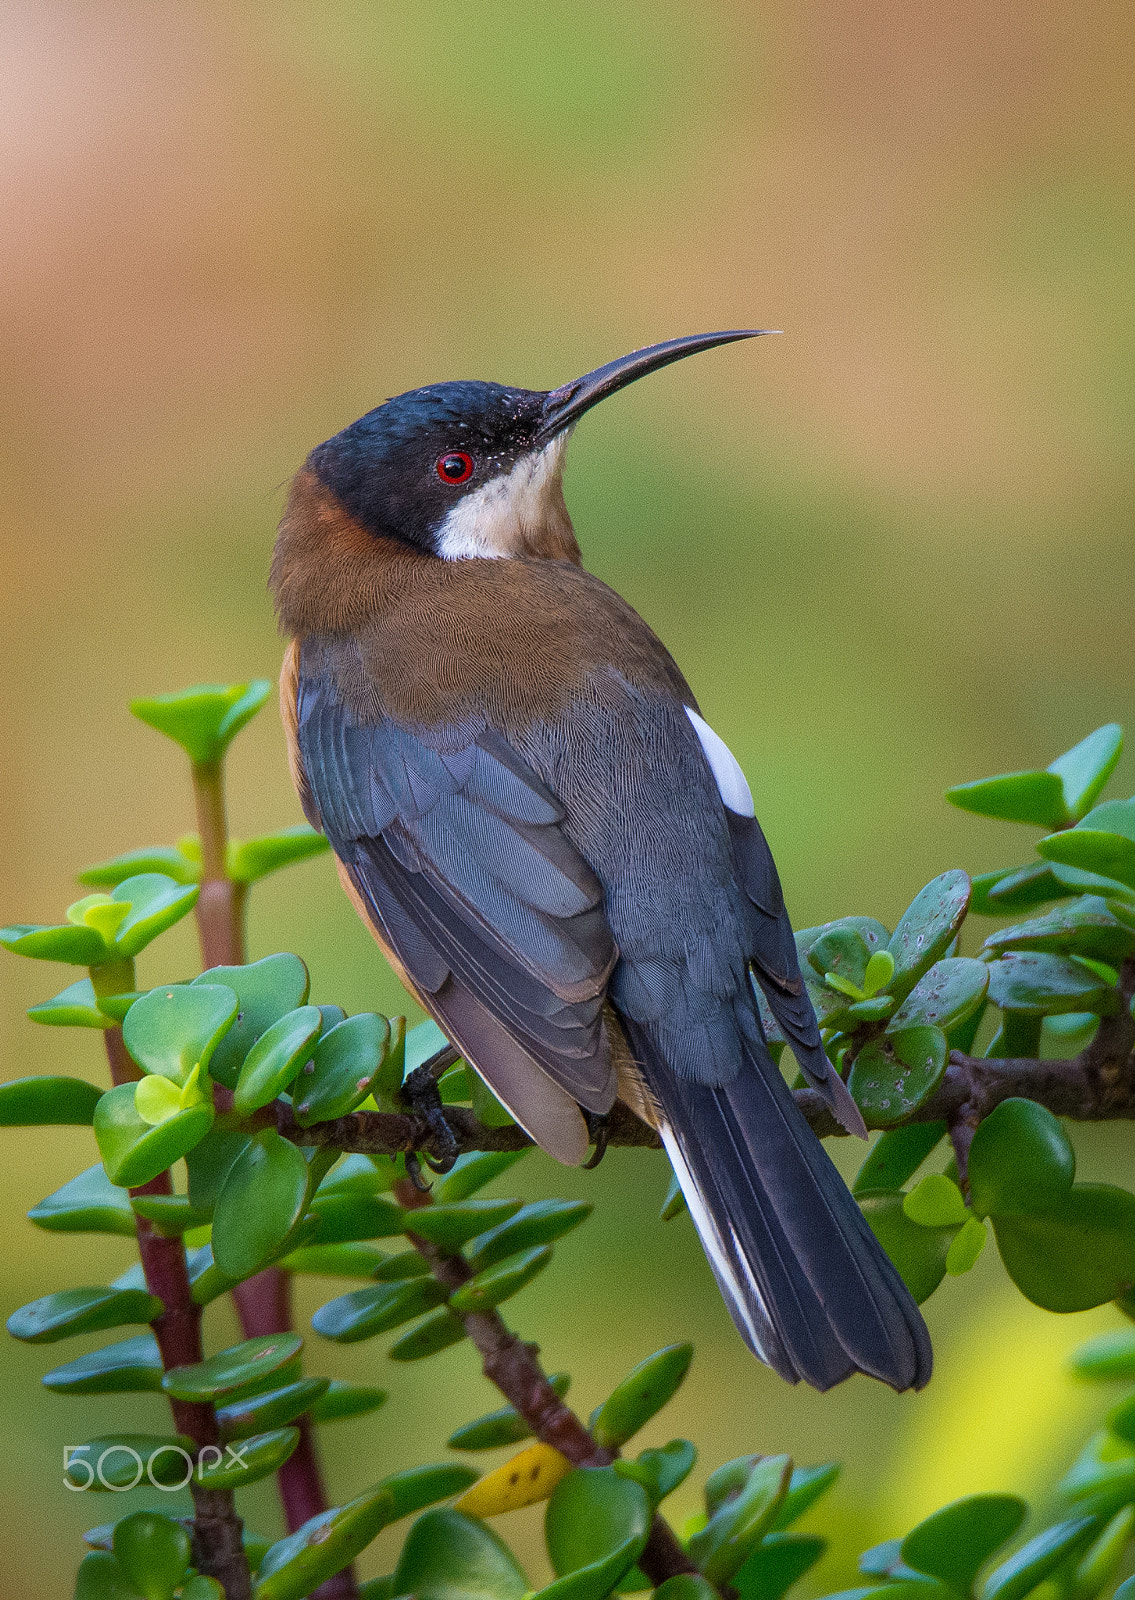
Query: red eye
{"x": 455, "y": 466}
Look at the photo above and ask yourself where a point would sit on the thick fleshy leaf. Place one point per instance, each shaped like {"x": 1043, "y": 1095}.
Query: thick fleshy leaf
{"x": 535, "y": 1224}
{"x": 276, "y": 1058}
{"x": 341, "y": 1068}
{"x": 919, "y": 1254}
{"x": 71, "y": 1311}
{"x": 1085, "y": 768}
{"x": 449, "y": 1557}
{"x": 471, "y": 1172}
{"x": 167, "y": 860}
{"x": 75, "y": 1007}
{"x": 893, "y": 1075}
{"x": 344, "y": 1217}
{"x": 1097, "y": 1567}
{"x": 249, "y": 1460}
{"x": 155, "y": 903}
{"x": 502, "y": 1427}
{"x": 843, "y": 952}
{"x": 523, "y": 1480}
{"x": 341, "y": 1401}
{"x": 132, "y": 1366}
{"x": 173, "y": 1029}
{"x": 208, "y": 1164}
{"x": 956, "y": 1542}
{"x": 1036, "y": 797}
{"x": 1111, "y": 1355}
{"x": 101, "y": 1578}
{"x": 153, "y": 1552}
{"x": 296, "y": 1565}
{"x": 1103, "y": 842}
{"x": 1087, "y": 926}
{"x": 234, "y": 1369}
{"x": 1020, "y": 1160}
{"x": 805, "y": 1487}
{"x": 741, "y": 1520}
{"x": 365, "y": 1312}
{"x": 432, "y": 1335}
{"x": 661, "y": 1471}
{"x": 779, "y": 1561}
{"x": 260, "y": 1202}
{"x": 926, "y": 929}
{"x": 273, "y": 1409}
{"x": 936, "y": 1202}
{"x": 90, "y": 1203}
{"x": 118, "y": 1461}
{"x": 1012, "y": 889}
{"x": 1033, "y": 1562}
{"x": 205, "y": 718}
{"x": 48, "y": 1102}
{"x": 642, "y": 1393}
{"x": 1040, "y": 984}
{"x": 134, "y": 1150}
{"x": 247, "y": 860}
{"x": 353, "y": 1260}
{"x": 945, "y": 996}
{"x": 596, "y": 1520}
{"x": 966, "y": 1247}
{"x": 897, "y": 1156}
{"x": 1076, "y": 1255}
{"x": 172, "y": 1214}
{"x": 1103, "y": 1471}
{"x": 451, "y": 1226}
{"x": 266, "y": 990}
{"x": 493, "y": 1285}
{"x": 406, "y": 1264}
{"x": 78, "y": 946}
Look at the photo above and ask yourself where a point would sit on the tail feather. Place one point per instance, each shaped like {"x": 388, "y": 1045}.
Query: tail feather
{"x": 810, "y": 1288}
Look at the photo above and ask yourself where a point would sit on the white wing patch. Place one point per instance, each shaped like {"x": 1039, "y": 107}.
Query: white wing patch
{"x": 731, "y": 782}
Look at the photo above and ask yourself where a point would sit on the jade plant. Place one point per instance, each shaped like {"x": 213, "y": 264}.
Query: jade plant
{"x": 298, "y": 1151}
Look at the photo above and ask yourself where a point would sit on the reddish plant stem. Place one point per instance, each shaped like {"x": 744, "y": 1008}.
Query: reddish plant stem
{"x": 218, "y": 1550}
{"x": 263, "y": 1303}
{"x": 515, "y": 1369}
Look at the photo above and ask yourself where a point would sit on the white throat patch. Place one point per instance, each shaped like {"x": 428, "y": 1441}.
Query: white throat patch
{"x": 520, "y": 513}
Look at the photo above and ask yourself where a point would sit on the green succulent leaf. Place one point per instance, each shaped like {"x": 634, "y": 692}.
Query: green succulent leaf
{"x": 154, "y": 903}
{"x": 894, "y": 1075}
{"x": 273, "y": 1409}
{"x": 841, "y": 953}
{"x": 502, "y": 1427}
{"x": 261, "y": 1201}
{"x": 541, "y": 1222}
{"x": 1085, "y": 768}
{"x": 153, "y": 1551}
{"x": 897, "y": 1156}
{"x": 1020, "y": 1160}
{"x": 248, "y": 860}
{"x": 266, "y": 990}
{"x": 171, "y": 1214}
{"x": 75, "y": 1007}
{"x": 495, "y": 1284}
{"x": 661, "y": 1471}
{"x": 1087, "y": 926}
{"x": 779, "y": 1561}
{"x": 739, "y": 1522}
{"x": 919, "y": 1253}
{"x": 805, "y": 1487}
{"x": 1034, "y": 1561}
{"x": 967, "y": 1245}
{"x": 451, "y": 1226}
{"x": 432, "y": 1335}
{"x": 135, "y": 1150}
{"x": 90, "y": 1203}
{"x": 354, "y": 1260}
{"x": 1010, "y": 889}
{"x": 1111, "y": 1355}
{"x": 1040, "y": 984}
{"x": 927, "y": 928}
{"x": 1104, "y": 1469}
{"x": 1099, "y": 1564}
{"x": 233, "y": 1370}
{"x": 1078, "y": 1254}
{"x": 406, "y": 1264}
{"x": 1036, "y": 797}
{"x": 596, "y": 1524}
{"x": 208, "y": 1164}
{"x": 365, "y": 1312}
{"x": 936, "y": 1202}
{"x": 132, "y": 1366}
{"x": 48, "y": 1102}
{"x": 118, "y": 1461}
{"x": 101, "y": 1578}
{"x": 642, "y": 1393}
{"x": 204, "y": 719}
{"x": 175, "y": 1028}
{"x": 344, "y": 1400}
{"x": 251, "y": 1460}
{"x": 1103, "y": 842}
{"x": 448, "y": 1556}
{"x": 956, "y": 1542}
{"x": 167, "y": 860}
{"x": 79, "y": 947}
{"x": 473, "y": 1171}
{"x": 945, "y": 996}
{"x": 343, "y": 1066}
{"x": 344, "y": 1218}
{"x": 72, "y": 1311}
{"x": 276, "y": 1058}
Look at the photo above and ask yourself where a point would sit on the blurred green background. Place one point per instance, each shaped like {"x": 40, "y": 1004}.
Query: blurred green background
{"x": 891, "y": 549}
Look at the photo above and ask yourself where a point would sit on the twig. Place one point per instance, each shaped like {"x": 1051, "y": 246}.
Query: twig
{"x": 513, "y": 1366}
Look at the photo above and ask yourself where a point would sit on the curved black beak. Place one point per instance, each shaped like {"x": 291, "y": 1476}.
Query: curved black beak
{"x": 567, "y": 404}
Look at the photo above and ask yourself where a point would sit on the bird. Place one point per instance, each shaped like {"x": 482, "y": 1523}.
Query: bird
{"x": 557, "y": 854}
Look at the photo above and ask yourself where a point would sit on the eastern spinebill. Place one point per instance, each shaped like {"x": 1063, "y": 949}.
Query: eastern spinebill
{"x": 556, "y": 852}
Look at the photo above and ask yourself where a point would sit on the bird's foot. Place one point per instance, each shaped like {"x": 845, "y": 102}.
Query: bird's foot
{"x": 421, "y": 1094}
{"x": 597, "y": 1130}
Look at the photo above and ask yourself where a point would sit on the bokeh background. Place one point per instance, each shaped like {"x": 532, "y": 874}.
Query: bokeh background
{"x": 891, "y": 549}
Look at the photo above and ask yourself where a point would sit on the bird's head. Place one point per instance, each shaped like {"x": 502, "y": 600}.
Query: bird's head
{"x": 459, "y": 470}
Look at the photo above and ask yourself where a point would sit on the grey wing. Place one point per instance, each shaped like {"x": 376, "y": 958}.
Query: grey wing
{"x": 458, "y": 856}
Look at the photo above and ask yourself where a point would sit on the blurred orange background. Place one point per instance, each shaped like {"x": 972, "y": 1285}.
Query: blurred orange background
{"x": 891, "y": 549}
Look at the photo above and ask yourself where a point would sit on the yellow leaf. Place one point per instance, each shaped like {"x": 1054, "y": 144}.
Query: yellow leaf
{"x": 528, "y": 1477}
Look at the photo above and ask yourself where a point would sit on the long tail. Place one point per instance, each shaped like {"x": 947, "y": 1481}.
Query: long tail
{"x": 811, "y": 1289}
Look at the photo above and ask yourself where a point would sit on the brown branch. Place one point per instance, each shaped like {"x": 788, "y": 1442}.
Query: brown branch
{"x": 515, "y": 1369}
